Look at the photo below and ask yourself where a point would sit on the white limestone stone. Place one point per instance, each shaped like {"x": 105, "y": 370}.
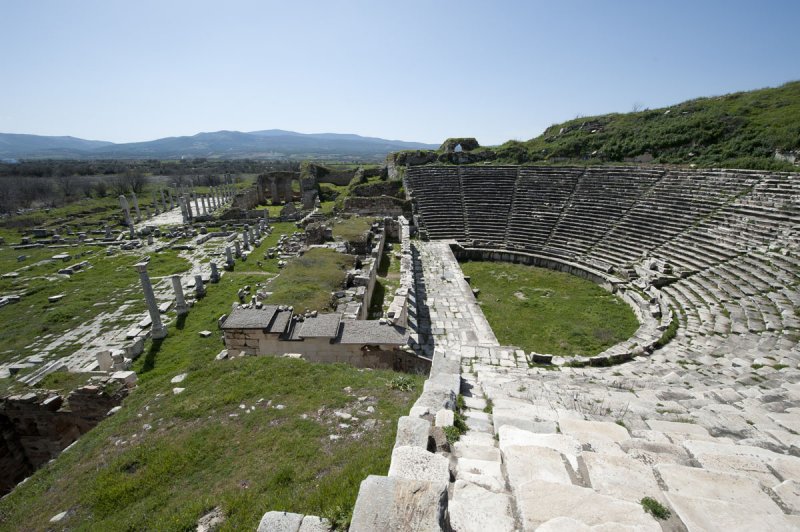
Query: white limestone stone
{"x": 445, "y": 418}
{"x": 312, "y": 523}
{"x": 478, "y": 452}
{"x": 539, "y": 501}
{"x": 526, "y": 462}
{"x": 280, "y": 522}
{"x": 394, "y": 503}
{"x": 678, "y": 428}
{"x": 700, "y": 514}
{"x": 128, "y": 378}
{"x": 621, "y": 477}
{"x": 789, "y": 493}
{"x": 593, "y": 431}
{"x": 487, "y": 468}
{"x": 418, "y": 464}
{"x": 694, "y": 483}
{"x": 566, "y": 445}
{"x": 412, "y": 431}
{"x": 567, "y": 524}
{"x": 474, "y": 508}
{"x": 59, "y": 517}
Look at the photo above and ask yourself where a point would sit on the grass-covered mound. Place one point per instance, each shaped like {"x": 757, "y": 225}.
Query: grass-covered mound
{"x": 246, "y": 435}
{"x": 546, "y": 311}
{"x": 739, "y": 130}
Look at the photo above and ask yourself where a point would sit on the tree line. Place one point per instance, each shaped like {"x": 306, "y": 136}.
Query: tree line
{"x": 53, "y": 183}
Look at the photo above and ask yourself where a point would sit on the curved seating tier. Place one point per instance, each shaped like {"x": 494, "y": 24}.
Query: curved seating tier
{"x": 729, "y": 237}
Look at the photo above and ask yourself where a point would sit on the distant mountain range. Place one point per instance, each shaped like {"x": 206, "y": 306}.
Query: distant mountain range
{"x": 267, "y": 144}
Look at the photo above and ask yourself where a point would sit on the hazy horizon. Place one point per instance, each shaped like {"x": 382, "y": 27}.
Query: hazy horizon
{"x": 419, "y": 72}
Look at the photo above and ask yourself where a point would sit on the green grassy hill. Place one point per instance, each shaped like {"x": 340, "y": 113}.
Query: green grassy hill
{"x": 739, "y": 130}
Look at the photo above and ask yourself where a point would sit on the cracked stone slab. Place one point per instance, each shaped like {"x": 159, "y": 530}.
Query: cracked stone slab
{"x": 475, "y": 509}
{"x": 394, "y": 503}
{"x": 418, "y": 464}
{"x": 412, "y": 431}
{"x": 525, "y": 463}
{"x": 280, "y": 522}
{"x": 539, "y": 501}
{"x": 621, "y": 477}
{"x": 566, "y": 445}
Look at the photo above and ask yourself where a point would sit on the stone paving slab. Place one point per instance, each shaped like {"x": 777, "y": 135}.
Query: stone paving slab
{"x": 475, "y": 509}
{"x": 539, "y": 501}
{"x": 525, "y": 463}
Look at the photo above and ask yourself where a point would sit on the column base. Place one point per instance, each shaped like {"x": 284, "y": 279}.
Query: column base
{"x": 157, "y": 334}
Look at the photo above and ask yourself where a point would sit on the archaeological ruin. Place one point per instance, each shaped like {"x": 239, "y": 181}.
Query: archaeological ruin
{"x": 697, "y": 411}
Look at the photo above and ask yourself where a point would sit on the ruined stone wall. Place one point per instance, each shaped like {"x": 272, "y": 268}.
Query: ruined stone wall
{"x": 256, "y": 342}
{"x": 375, "y": 206}
{"x": 398, "y": 308}
{"x": 247, "y": 199}
{"x": 35, "y": 428}
{"x": 337, "y": 178}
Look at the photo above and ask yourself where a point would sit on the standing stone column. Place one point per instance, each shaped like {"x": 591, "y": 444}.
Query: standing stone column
{"x": 196, "y": 204}
{"x": 180, "y": 302}
{"x": 184, "y": 214}
{"x": 288, "y": 192}
{"x": 246, "y": 239}
{"x": 136, "y": 206}
{"x": 126, "y": 209}
{"x": 214, "y": 273}
{"x": 163, "y": 201}
{"x": 158, "y": 330}
{"x": 188, "y": 203}
{"x": 238, "y": 249}
{"x": 171, "y": 200}
{"x": 228, "y": 257}
{"x": 128, "y": 220}
{"x": 206, "y": 210}
{"x": 199, "y": 287}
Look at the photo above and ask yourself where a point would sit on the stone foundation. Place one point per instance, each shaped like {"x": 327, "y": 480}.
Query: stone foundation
{"x": 35, "y": 428}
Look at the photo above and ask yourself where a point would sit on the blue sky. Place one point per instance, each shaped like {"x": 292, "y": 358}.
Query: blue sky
{"x": 415, "y": 70}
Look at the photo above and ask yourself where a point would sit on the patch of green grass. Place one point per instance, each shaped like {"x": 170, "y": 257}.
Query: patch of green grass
{"x": 546, "y": 311}
{"x": 489, "y": 406}
{"x": 165, "y": 460}
{"x": 308, "y": 280}
{"x": 64, "y": 381}
{"x": 655, "y": 508}
{"x": 352, "y": 229}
